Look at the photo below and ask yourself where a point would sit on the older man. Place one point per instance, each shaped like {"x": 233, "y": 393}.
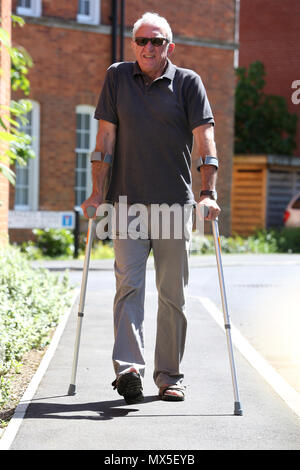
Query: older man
{"x": 150, "y": 114}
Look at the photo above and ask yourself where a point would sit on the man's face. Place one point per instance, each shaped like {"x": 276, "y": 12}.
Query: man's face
{"x": 152, "y": 60}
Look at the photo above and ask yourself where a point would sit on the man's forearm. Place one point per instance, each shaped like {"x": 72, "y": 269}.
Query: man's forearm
{"x": 208, "y": 177}
{"x": 100, "y": 176}
{"x": 209, "y": 172}
{"x": 205, "y": 145}
{"x": 105, "y": 143}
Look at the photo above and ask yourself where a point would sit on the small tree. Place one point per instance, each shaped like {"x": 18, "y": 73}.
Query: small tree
{"x": 263, "y": 123}
{"x": 19, "y": 142}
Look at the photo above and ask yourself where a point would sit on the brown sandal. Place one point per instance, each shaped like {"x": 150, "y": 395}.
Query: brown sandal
{"x": 170, "y": 393}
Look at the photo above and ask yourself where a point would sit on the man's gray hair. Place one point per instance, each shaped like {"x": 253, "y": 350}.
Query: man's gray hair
{"x": 153, "y": 19}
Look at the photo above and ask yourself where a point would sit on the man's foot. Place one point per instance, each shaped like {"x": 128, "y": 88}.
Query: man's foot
{"x": 172, "y": 392}
{"x": 129, "y": 385}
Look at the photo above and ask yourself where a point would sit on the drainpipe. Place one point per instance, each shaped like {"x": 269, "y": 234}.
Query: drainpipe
{"x": 122, "y": 27}
{"x": 114, "y": 30}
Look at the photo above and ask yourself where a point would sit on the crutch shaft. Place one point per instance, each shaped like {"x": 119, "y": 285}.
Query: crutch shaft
{"x": 237, "y": 405}
{"x": 215, "y": 227}
{"x": 87, "y": 256}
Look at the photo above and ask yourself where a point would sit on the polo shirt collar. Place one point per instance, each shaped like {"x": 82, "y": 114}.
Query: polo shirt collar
{"x": 169, "y": 73}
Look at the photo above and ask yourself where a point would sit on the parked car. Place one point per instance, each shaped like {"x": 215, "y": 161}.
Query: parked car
{"x": 291, "y": 216}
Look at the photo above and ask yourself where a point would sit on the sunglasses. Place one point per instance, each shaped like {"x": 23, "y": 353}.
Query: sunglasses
{"x": 157, "y": 42}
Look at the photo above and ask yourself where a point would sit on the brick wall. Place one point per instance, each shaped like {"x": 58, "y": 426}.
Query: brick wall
{"x": 69, "y": 70}
{"x": 5, "y": 13}
{"x": 272, "y": 36}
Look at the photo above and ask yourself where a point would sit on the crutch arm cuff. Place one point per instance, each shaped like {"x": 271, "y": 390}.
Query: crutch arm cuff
{"x": 101, "y": 157}
{"x": 208, "y": 160}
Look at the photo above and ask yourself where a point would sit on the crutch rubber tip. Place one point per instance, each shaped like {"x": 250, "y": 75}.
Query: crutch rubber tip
{"x": 238, "y": 409}
{"x": 72, "y": 389}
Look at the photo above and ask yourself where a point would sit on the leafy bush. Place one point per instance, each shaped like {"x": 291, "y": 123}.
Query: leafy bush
{"x": 288, "y": 240}
{"x": 55, "y": 242}
{"x": 31, "y": 304}
{"x": 31, "y": 251}
{"x": 283, "y": 240}
{"x": 102, "y": 250}
{"x": 263, "y": 241}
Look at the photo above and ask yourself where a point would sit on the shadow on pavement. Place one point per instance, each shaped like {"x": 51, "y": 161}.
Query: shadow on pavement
{"x": 104, "y": 410}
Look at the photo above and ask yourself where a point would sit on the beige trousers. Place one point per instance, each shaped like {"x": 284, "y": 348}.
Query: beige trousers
{"x": 171, "y": 266}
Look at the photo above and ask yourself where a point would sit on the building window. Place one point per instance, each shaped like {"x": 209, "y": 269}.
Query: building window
{"x": 27, "y": 177}
{"x": 88, "y": 11}
{"x": 86, "y": 131}
{"x": 29, "y": 7}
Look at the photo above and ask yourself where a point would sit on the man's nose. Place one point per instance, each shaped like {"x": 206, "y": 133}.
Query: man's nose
{"x": 149, "y": 47}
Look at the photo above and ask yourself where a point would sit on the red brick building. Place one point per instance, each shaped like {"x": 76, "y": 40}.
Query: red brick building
{"x": 5, "y": 13}
{"x": 72, "y": 44}
{"x": 269, "y": 32}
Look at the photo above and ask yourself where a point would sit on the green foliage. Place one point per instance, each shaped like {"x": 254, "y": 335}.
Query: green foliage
{"x": 288, "y": 240}
{"x": 31, "y": 304}
{"x": 102, "y": 250}
{"x": 21, "y": 61}
{"x": 19, "y": 142}
{"x": 283, "y": 240}
{"x": 263, "y": 123}
{"x": 55, "y": 242}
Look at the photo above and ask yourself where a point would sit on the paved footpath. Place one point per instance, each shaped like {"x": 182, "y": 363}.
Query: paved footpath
{"x": 97, "y": 418}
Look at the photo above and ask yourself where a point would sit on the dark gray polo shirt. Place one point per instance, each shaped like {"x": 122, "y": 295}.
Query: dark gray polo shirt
{"x": 152, "y": 158}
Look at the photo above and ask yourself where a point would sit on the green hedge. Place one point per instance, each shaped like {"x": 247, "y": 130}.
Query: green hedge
{"x": 283, "y": 240}
{"x": 31, "y": 304}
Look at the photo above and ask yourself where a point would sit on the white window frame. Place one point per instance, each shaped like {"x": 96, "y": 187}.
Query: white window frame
{"x": 94, "y": 16}
{"x": 89, "y": 110}
{"x": 35, "y": 9}
{"x": 33, "y": 163}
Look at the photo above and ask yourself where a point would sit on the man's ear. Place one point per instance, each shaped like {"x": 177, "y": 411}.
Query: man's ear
{"x": 171, "y": 47}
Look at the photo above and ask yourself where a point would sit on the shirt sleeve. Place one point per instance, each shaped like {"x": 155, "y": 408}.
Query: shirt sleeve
{"x": 107, "y": 108}
{"x": 198, "y": 108}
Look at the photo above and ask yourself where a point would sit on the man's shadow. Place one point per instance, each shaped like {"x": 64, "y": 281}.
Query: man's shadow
{"x": 102, "y": 410}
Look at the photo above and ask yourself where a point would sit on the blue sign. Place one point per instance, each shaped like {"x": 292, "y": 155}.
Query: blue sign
{"x": 67, "y": 220}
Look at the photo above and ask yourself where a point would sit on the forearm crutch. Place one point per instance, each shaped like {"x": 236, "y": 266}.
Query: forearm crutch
{"x": 90, "y": 212}
{"x": 215, "y": 227}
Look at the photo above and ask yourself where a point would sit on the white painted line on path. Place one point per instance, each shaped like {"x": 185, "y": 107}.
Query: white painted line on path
{"x": 271, "y": 376}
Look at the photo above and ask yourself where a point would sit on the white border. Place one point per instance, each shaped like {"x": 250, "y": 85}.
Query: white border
{"x": 14, "y": 424}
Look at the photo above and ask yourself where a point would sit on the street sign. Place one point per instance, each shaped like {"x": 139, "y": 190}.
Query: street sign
{"x": 41, "y": 219}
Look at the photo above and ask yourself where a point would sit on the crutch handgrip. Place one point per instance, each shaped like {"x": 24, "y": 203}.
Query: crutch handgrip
{"x": 91, "y": 211}
{"x": 205, "y": 211}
